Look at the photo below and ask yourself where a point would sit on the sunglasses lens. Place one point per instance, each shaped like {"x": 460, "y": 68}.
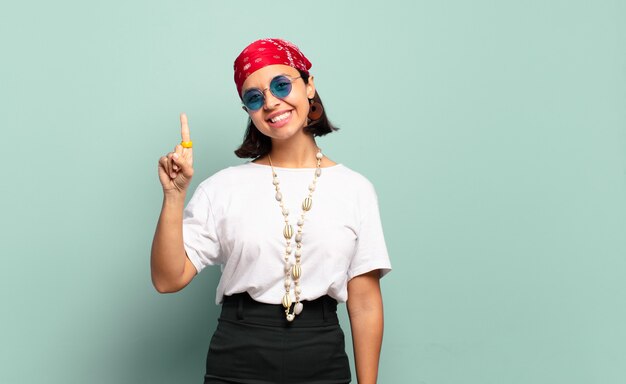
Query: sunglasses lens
{"x": 253, "y": 99}
{"x": 280, "y": 86}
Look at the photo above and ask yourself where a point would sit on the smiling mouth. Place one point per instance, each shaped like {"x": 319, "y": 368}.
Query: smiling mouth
{"x": 280, "y": 117}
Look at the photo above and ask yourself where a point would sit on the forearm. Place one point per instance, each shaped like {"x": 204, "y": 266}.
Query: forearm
{"x": 168, "y": 256}
{"x": 365, "y": 308}
{"x": 367, "y": 337}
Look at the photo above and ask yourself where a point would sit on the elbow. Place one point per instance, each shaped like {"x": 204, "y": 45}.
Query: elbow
{"x": 163, "y": 287}
{"x": 163, "y": 290}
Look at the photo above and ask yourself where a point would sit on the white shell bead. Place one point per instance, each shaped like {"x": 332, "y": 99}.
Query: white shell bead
{"x": 312, "y": 187}
{"x": 286, "y": 300}
{"x": 298, "y": 290}
{"x": 297, "y": 309}
{"x": 300, "y": 222}
{"x": 318, "y": 172}
{"x": 288, "y": 250}
{"x": 319, "y": 155}
{"x": 276, "y": 182}
{"x": 287, "y": 283}
{"x": 298, "y": 252}
{"x": 290, "y": 317}
{"x": 285, "y": 211}
{"x": 279, "y": 196}
{"x": 298, "y": 237}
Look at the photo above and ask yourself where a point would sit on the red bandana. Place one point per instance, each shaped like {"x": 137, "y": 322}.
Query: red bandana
{"x": 264, "y": 52}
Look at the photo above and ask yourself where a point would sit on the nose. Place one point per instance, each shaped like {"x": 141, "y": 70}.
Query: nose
{"x": 269, "y": 100}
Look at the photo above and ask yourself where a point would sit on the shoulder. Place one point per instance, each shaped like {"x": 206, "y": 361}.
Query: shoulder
{"x": 352, "y": 180}
{"x": 230, "y": 177}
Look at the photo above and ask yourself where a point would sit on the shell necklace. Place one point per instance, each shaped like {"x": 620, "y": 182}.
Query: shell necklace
{"x": 293, "y": 272}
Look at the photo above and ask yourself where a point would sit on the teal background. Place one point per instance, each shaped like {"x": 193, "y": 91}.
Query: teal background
{"x": 494, "y": 132}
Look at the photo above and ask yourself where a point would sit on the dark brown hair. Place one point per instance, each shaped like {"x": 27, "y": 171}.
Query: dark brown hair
{"x": 255, "y": 144}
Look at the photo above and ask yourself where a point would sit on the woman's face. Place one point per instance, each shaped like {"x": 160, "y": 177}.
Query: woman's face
{"x": 277, "y": 118}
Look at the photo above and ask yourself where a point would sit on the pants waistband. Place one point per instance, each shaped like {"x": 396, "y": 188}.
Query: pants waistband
{"x": 242, "y": 307}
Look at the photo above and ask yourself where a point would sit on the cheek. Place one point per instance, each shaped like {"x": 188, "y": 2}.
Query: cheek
{"x": 257, "y": 120}
{"x": 301, "y": 102}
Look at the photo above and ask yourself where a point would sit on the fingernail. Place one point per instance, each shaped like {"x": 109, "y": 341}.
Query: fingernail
{"x": 175, "y": 156}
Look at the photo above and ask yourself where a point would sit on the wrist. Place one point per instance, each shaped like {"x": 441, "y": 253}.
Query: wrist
{"x": 174, "y": 196}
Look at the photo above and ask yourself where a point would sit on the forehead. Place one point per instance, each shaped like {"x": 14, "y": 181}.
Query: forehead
{"x": 262, "y": 77}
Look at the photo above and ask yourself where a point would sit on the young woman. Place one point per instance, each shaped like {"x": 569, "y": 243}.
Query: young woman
{"x": 293, "y": 231}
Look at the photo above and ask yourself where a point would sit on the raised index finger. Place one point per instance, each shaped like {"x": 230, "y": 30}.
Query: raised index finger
{"x": 184, "y": 127}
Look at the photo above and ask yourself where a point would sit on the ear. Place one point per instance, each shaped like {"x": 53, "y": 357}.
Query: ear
{"x": 310, "y": 88}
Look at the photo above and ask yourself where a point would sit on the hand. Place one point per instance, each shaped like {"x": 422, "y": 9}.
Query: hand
{"x": 176, "y": 168}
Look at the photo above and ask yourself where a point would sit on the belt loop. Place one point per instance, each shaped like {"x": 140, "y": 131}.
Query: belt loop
{"x": 239, "y": 307}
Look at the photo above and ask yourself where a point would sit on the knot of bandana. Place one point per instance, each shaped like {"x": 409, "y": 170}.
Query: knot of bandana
{"x": 264, "y": 52}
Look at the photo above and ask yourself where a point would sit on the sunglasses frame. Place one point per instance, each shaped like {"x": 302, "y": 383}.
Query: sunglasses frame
{"x": 262, "y": 91}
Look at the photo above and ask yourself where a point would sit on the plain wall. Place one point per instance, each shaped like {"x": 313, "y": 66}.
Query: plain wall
{"x": 494, "y": 132}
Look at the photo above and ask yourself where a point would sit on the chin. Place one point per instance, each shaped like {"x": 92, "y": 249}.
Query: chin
{"x": 280, "y": 135}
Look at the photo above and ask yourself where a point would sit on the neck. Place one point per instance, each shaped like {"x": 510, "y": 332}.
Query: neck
{"x": 300, "y": 154}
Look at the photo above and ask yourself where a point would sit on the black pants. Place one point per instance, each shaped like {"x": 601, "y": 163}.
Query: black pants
{"x": 254, "y": 344}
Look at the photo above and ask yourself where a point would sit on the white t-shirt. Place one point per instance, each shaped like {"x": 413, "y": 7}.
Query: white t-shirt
{"x": 234, "y": 220}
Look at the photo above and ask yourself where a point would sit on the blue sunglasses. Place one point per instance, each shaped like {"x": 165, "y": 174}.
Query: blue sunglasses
{"x": 280, "y": 86}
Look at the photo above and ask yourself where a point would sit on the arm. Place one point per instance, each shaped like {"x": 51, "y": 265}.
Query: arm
{"x": 171, "y": 268}
{"x": 365, "y": 308}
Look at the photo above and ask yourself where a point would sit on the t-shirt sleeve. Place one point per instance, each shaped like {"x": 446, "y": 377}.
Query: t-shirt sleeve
{"x": 199, "y": 231}
{"x": 371, "y": 250}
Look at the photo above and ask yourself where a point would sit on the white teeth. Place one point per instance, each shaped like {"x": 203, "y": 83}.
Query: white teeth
{"x": 280, "y": 117}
